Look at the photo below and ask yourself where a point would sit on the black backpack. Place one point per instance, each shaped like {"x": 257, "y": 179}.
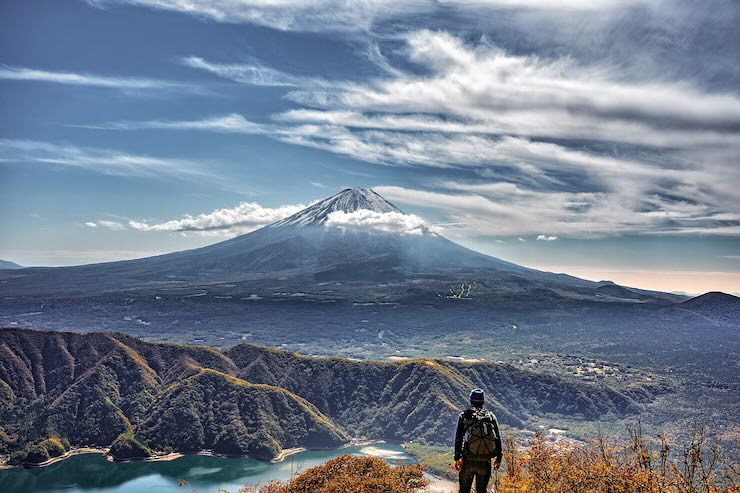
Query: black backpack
{"x": 480, "y": 440}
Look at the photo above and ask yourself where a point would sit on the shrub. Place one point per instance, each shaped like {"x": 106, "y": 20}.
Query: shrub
{"x": 126, "y": 446}
{"x": 43, "y": 451}
{"x": 602, "y": 467}
{"x": 351, "y": 474}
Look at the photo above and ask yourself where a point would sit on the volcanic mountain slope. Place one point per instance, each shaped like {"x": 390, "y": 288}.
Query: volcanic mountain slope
{"x": 91, "y": 389}
{"x": 7, "y": 264}
{"x": 719, "y": 308}
{"x": 324, "y": 280}
{"x": 304, "y": 246}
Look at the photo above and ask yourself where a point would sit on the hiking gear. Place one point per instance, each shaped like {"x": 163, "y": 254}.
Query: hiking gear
{"x": 481, "y": 471}
{"x": 477, "y": 396}
{"x": 480, "y": 441}
{"x": 461, "y": 428}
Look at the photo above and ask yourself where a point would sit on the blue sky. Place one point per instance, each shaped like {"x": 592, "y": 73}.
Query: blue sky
{"x": 599, "y": 138}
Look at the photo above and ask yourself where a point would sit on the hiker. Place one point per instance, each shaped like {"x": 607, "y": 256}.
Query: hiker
{"x": 477, "y": 442}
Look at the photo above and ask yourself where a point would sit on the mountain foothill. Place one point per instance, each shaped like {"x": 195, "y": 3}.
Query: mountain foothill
{"x": 60, "y": 390}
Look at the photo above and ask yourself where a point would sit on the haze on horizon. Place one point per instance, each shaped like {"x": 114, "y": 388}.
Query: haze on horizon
{"x": 595, "y": 138}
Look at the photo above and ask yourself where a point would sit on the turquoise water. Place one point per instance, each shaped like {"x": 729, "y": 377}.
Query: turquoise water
{"x": 92, "y": 473}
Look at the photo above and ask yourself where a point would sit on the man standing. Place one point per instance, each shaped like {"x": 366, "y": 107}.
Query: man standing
{"x": 477, "y": 442}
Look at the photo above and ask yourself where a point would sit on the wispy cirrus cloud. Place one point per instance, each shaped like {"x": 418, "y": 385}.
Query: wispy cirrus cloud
{"x": 616, "y": 196}
{"x": 505, "y": 209}
{"x": 105, "y": 161}
{"x": 8, "y": 72}
{"x": 487, "y": 90}
{"x": 555, "y": 144}
{"x": 231, "y": 123}
{"x": 304, "y": 15}
{"x": 246, "y": 73}
{"x": 339, "y": 15}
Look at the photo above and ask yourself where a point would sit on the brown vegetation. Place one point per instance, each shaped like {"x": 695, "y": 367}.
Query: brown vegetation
{"x": 350, "y": 474}
{"x": 544, "y": 467}
{"x": 602, "y": 467}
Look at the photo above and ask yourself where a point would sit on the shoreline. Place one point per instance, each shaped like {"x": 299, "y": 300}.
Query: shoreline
{"x": 285, "y": 453}
{"x": 361, "y": 443}
{"x": 59, "y": 458}
{"x": 153, "y": 458}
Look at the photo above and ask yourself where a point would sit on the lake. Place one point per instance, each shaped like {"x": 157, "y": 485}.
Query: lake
{"x": 92, "y": 473}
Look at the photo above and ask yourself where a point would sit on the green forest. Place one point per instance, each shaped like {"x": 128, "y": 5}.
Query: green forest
{"x": 63, "y": 390}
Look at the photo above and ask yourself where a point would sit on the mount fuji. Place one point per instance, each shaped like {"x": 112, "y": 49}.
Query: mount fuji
{"x": 355, "y": 235}
{"x": 355, "y": 275}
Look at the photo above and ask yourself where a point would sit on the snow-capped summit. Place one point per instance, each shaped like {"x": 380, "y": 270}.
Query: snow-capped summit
{"x": 354, "y": 235}
{"x": 348, "y": 200}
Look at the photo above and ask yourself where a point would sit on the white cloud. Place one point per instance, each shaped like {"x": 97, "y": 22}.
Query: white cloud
{"x": 231, "y": 123}
{"x": 245, "y": 217}
{"x": 317, "y": 15}
{"x": 556, "y": 145}
{"x": 114, "y": 225}
{"x": 505, "y": 209}
{"x": 123, "y": 83}
{"x": 489, "y": 90}
{"x": 387, "y": 222}
{"x": 481, "y": 107}
{"x": 311, "y": 15}
{"x": 546, "y": 238}
{"x": 256, "y": 74}
{"x": 253, "y": 74}
{"x": 104, "y": 161}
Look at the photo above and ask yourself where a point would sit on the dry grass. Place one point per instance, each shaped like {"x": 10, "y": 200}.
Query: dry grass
{"x": 602, "y": 467}
{"x": 634, "y": 466}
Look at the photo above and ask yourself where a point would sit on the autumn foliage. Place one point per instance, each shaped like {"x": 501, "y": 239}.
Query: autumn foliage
{"x": 634, "y": 466}
{"x": 351, "y": 474}
{"x": 602, "y": 467}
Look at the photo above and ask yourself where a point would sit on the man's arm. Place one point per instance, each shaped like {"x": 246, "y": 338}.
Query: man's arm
{"x": 499, "y": 445}
{"x": 459, "y": 434}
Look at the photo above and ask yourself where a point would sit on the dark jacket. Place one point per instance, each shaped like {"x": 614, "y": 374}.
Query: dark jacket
{"x": 460, "y": 434}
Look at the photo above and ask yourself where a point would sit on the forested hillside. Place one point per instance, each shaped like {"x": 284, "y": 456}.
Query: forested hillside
{"x": 94, "y": 389}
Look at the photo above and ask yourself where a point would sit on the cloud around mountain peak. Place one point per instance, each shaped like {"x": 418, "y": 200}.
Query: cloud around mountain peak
{"x": 385, "y": 222}
{"x": 249, "y": 216}
{"x": 245, "y": 217}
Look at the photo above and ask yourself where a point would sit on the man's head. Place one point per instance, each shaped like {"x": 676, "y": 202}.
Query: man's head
{"x": 477, "y": 398}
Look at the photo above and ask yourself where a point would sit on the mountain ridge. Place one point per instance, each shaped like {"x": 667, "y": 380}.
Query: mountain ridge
{"x": 91, "y": 389}
{"x": 716, "y": 306}
{"x": 7, "y": 264}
